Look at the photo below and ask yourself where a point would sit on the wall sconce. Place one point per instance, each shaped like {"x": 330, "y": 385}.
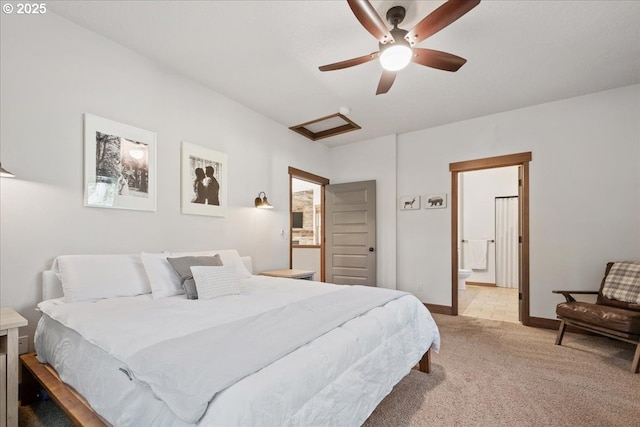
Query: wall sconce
{"x": 5, "y": 173}
{"x": 261, "y": 202}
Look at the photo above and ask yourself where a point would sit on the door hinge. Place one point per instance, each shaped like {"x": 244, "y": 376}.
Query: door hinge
{"x": 520, "y": 296}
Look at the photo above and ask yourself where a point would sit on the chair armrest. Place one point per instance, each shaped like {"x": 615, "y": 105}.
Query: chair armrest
{"x": 569, "y": 298}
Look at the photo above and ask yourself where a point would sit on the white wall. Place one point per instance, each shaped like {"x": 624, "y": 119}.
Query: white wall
{"x": 585, "y": 179}
{"x": 584, "y": 191}
{"x": 52, "y": 72}
{"x": 476, "y": 210}
{"x": 307, "y": 259}
{"x": 374, "y": 159}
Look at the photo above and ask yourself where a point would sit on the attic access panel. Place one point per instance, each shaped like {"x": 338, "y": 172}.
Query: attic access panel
{"x": 325, "y": 127}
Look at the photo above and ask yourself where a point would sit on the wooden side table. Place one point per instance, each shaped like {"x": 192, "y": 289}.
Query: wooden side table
{"x": 290, "y": 273}
{"x": 10, "y": 321}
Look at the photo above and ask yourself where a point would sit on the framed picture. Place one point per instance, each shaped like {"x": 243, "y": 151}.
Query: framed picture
{"x": 435, "y": 201}
{"x": 119, "y": 165}
{"x": 203, "y": 181}
{"x": 409, "y": 203}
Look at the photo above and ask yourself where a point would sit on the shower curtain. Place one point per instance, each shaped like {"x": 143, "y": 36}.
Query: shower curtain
{"x": 507, "y": 242}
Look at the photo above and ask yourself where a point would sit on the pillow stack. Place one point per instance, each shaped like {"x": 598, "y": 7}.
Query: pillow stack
{"x": 183, "y": 266}
{"x": 170, "y": 273}
{"x": 199, "y": 275}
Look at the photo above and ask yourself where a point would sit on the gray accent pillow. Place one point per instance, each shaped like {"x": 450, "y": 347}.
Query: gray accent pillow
{"x": 182, "y": 266}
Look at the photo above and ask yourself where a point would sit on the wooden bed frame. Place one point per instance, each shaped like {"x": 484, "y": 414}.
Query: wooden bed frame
{"x": 36, "y": 374}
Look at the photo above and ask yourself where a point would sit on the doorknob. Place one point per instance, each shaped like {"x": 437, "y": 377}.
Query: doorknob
{"x": 371, "y": 249}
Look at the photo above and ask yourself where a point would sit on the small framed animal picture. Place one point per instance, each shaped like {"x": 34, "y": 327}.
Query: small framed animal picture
{"x": 409, "y": 203}
{"x": 435, "y": 201}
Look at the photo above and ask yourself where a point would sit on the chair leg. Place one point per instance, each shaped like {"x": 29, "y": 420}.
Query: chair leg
{"x": 563, "y": 327}
{"x": 635, "y": 365}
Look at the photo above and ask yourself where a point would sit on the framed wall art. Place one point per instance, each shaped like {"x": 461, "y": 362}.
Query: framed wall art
{"x": 203, "y": 181}
{"x": 409, "y": 203}
{"x": 119, "y": 165}
{"x": 435, "y": 201}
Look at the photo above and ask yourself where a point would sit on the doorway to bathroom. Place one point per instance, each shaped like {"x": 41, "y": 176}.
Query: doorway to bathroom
{"x": 488, "y": 245}
{"x": 482, "y": 228}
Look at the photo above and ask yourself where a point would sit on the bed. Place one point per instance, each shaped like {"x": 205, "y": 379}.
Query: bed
{"x": 124, "y": 336}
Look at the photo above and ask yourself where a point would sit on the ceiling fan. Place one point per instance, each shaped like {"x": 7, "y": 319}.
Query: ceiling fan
{"x": 397, "y": 45}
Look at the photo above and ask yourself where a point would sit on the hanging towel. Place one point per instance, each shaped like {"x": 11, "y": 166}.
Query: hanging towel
{"x": 478, "y": 254}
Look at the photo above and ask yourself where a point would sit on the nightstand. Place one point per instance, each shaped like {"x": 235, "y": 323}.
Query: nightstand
{"x": 10, "y": 321}
{"x": 290, "y": 274}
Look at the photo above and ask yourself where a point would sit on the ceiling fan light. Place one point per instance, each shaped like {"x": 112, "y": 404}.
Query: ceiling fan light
{"x": 395, "y": 57}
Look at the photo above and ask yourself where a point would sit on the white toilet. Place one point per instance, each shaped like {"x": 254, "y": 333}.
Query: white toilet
{"x": 463, "y": 275}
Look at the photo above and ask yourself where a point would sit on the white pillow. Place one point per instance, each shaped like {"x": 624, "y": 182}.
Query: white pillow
{"x": 163, "y": 278}
{"x": 228, "y": 257}
{"x": 88, "y": 277}
{"x": 213, "y": 282}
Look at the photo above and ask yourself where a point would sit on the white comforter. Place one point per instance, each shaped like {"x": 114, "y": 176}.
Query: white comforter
{"x": 295, "y": 390}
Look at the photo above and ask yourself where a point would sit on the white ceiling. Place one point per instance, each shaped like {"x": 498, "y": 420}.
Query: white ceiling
{"x": 265, "y": 55}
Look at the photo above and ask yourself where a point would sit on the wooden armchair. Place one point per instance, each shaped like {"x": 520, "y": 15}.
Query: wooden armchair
{"x": 616, "y": 312}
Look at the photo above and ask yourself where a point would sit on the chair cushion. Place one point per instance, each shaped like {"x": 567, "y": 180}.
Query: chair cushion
{"x": 617, "y": 319}
{"x": 604, "y": 300}
{"x": 623, "y": 282}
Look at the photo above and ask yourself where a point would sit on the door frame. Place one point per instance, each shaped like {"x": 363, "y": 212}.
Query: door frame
{"x": 519, "y": 159}
{"x": 321, "y": 181}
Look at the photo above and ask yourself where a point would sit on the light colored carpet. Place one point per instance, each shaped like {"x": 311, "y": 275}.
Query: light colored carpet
{"x": 491, "y": 373}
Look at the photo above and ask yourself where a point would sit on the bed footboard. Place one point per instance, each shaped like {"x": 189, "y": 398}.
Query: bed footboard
{"x": 425, "y": 362}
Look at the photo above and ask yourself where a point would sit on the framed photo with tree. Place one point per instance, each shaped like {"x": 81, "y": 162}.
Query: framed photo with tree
{"x": 119, "y": 165}
{"x": 203, "y": 181}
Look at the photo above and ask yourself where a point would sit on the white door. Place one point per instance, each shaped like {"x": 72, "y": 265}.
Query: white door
{"x": 350, "y": 211}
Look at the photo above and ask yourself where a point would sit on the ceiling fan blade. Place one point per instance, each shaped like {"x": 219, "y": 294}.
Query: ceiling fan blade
{"x": 370, "y": 20}
{"x": 387, "y": 79}
{"x": 437, "y": 59}
{"x": 439, "y": 18}
{"x": 350, "y": 62}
